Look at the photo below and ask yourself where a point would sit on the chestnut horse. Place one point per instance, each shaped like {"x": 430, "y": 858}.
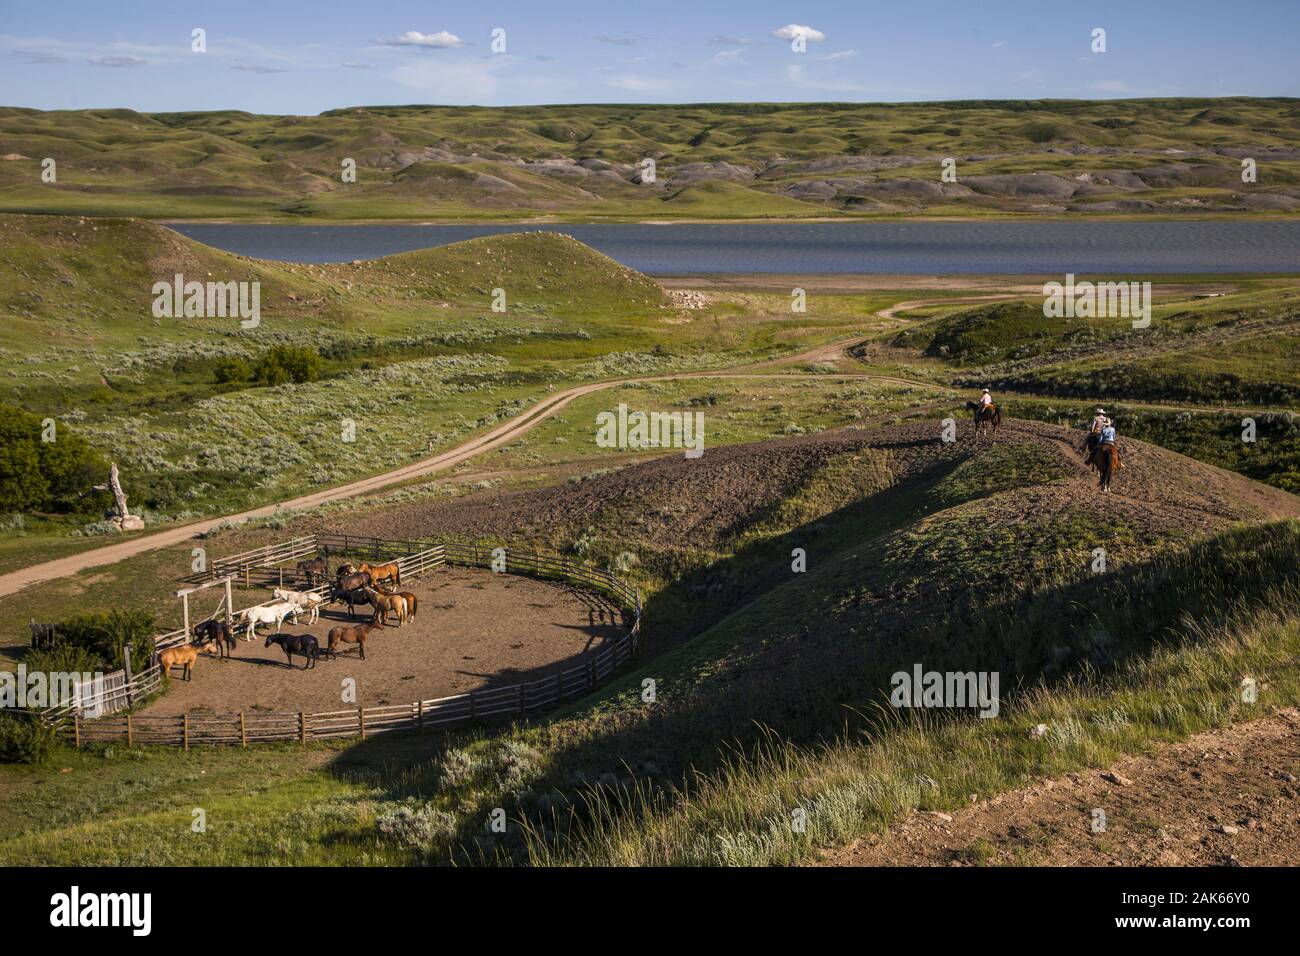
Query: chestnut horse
{"x": 349, "y": 634}
{"x": 386, "y": 603}
{"x": 1106, "y": 460}
{"x": 411, "y": 601}
{"x": 382, "y": 572}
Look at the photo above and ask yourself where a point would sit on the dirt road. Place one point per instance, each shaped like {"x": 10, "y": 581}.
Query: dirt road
{"x": 503, "y": 434}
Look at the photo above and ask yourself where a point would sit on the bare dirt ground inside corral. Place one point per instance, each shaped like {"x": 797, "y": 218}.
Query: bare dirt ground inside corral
{"x": 1223, "y": 798}
{"x": 474, "y": 630}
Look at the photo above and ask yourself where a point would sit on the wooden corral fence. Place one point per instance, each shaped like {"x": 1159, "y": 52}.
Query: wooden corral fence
{"x": 260, "y": 565}
{"x": 498, "y": 703}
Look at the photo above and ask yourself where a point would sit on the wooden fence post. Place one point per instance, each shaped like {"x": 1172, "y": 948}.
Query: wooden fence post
{"x": 76, "y": 730}
{"x": 419, "y": 715}
{"x": 126, "y": 660}
{"x": 243, "y": 732}
{"x": 302, "y": 728}
{"x": 185, "y": 730}
{"x": 361, "y": 721}
{"x": 128, "y": 730}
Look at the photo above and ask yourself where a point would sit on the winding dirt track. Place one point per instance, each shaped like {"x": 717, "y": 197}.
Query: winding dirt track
{"x": 506, "y": 432}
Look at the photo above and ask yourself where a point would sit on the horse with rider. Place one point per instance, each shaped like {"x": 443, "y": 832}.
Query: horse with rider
{"x": 986, "y": 413}
{"x": 1100, "y": 448}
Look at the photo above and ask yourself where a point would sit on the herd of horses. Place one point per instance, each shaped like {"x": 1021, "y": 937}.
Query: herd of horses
{"x": 354, "y": 585}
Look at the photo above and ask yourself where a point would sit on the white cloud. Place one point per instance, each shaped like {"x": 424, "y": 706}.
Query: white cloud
{"x": 792, "y": 30}
{"x": 440, "y": 40}
{"x": 842, "y": 55}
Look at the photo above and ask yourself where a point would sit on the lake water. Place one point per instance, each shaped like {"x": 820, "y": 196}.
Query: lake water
{"x": 915, "y": 248}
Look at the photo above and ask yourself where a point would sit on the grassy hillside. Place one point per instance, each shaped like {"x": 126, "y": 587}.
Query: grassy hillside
{"x": 966, "y": 556}
{"x": 1134, "y": 157}
{"x": 408, "y": 347}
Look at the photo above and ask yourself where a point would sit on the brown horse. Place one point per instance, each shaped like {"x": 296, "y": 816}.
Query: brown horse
{"x": 382, "y": 572}
{"x": 353, "y": 581}
{"x": 217, "y": 632}
{"x": 412, "y": 602}
{"x": 1105, "y": 458}
{"x": 986, "y": 415}
{"x": 312, "y": 571}
{"x": 387, "y": 603}
{"x": 349, "y": 634}
{"x": 182, "y": 656}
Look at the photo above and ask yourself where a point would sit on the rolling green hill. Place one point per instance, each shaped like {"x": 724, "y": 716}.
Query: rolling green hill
{"x": 714, "y": 161}
{"x": 973, "y": 556}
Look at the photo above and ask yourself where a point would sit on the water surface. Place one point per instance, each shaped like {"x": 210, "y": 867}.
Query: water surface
{"x": 914, "y": 248}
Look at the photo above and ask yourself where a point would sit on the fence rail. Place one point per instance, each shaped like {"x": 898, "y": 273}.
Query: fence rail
{"x": 415, "y": 556}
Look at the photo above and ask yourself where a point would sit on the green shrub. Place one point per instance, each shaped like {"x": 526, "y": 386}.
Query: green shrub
{"x": 287, "y": 363}
{"x": 46, "y": 476}
{"x": 23, "y": 739}
{"x": 103, "y": 634}
{"x": 231, "y": 369}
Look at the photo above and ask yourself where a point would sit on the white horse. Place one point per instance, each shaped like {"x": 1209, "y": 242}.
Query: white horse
{"x": 309, "y": 601}
{"x": 269, "y": 614}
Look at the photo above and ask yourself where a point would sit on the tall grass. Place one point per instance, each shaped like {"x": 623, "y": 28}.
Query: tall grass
{"x": 744, "y": 813}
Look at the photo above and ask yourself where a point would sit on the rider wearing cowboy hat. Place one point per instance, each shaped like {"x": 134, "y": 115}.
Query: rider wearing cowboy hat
{"x": 1099, "y": 422}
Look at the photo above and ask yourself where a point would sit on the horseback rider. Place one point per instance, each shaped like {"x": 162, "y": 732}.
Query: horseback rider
{"x": 986, "y": 400}
{"x": 1099, "y": 421}
{"x": 1106, "y": 439}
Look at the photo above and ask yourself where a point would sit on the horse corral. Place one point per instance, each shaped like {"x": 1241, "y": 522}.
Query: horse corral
{"x": 497, "y": 634}
{"x": 475, "y": 630}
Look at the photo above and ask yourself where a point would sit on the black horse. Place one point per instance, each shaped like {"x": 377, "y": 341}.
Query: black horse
{"x": 219, "y": 633}
{"x": 351, "y": 597}
{"x": 291, "y": 644}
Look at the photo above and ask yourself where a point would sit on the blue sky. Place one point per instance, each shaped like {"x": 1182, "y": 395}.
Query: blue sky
{"x": 286, "y": 57}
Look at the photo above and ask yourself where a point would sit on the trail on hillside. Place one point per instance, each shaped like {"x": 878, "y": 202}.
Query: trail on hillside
{"x": 1224, "y": 797}
{"x": 501, "y": 435}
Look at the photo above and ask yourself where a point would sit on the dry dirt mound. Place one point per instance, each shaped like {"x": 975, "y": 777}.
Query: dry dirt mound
{"x": 1225, "y": 797}
{"x": 700, "y": 501}
{"x": 474, "y": 630}
{"x": 695, "y": 501}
